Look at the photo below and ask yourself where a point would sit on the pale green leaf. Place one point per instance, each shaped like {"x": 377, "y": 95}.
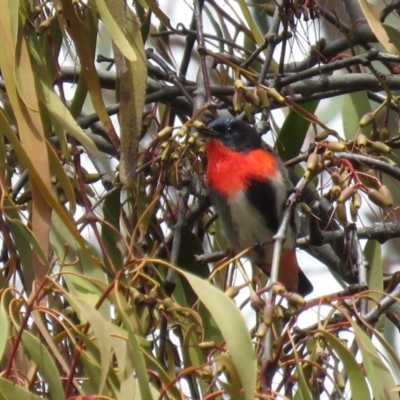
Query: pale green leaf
{"x": 290, "y": 141}
{"x": 4, "y": 327}
{"x": 45, "y": 364}
{"x": 358, "y": 385}
{"x": 355, "y": 105}
{"x": 379, "y": 377}
{"x": 375, "y": 24}
{"x": 114, "y": 31}
{"x": 9, "y": 390}
{"x": 372, "y": 252}
{"x": 134, "y": 356}
{"x": 102, "y": 332}
{"x": 238, "y": 341}
{"x": 394, "y": 35}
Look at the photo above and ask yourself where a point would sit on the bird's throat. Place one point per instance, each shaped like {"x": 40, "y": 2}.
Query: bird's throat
{"x": 230, "y": 171}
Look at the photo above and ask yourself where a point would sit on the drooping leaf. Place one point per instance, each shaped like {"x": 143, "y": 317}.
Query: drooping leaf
{"x": 9, "y": 390}
{"x": 293, "y": 132}
{"x": 379, "y": 377}
{"x": 358, "y": 385}
{"x": 355, "y": 106}
{"x": 45, "y": 363}
{"x": 102, "y": 333}
{"x": 372, "y": 252}
{"x": 374, "y": 22}
{"x": 110, "y": 230}
{"x": 4, "y": 331}
{"x": 393, "y": 34}
{"x": 115, "y": 31}
{"x": 238, "y": 340}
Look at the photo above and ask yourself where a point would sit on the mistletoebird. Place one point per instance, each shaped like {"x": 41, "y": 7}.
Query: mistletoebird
{"x": 249, "y": 186}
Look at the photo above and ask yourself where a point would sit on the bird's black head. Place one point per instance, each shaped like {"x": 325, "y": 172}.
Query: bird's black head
{"x": 233, "y": 133}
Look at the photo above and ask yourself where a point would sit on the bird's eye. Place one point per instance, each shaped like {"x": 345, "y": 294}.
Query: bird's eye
{"x": 229, "y": 129}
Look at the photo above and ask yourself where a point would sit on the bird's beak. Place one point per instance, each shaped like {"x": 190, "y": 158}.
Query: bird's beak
{"x": 207, "y": 132}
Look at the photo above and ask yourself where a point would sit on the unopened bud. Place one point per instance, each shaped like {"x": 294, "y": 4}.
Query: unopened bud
{"x": 278, "y": 312}
{"x": 197, "y": 124}
{"x": 340, "y": 212}
{"x": 376, "y": 197}
{"x": 336, "y": 179}
{"x": 296, "y": 299}
{"x": 357, "y": 200}
{"x": 248, "y": 110}
{"x": 361, "y": 140}
{"x": 336, "y": 191}
{"x": 384, "y": 134}
{"x": 346, "y": 194}
{"x": 268, "y": 314}
{"x": 237, "y": 102}
{"x": 312, "y": 161}
{"x": 232, "y": 291}
{"x": 322, "y": 135}
{"x": 387, "y": 195}
{"x": 256, "y": 302}
{"x": 202, "y": 148}
{"x": 90, "y": 178}
{"x": 366, "y": 119}
{"x": 206, "y": 345}
{"x": 252, "y": 98}
{"x": 388, "y": 160}
{"x": 381, "y": 147}
{"x": 339, "y": 379}
{"x": 183, "y": 131}
{"x": 205, "y": 372}
{"x": 263, "y": 96}
{"x": 193, "y": 137}
{"x": 166, "y": 154}
{"x": 278, "y": 288}
{"x": 276, "y": 96}
{"x": 371, "y": 179}
{"x": 336, "y": 146}
{"x": 238, "y": 84}
{"x": 164, "y": 132}
{"x": 305, "y": 208}
{"x": 262, "y": 330}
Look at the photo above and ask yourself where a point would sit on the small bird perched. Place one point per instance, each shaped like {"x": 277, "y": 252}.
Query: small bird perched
{"x": 249, "y": 186}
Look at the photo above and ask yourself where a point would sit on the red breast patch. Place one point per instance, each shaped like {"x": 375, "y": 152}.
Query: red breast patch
{"x": 229, "y": 171}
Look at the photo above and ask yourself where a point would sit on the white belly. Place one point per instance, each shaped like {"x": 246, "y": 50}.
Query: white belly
{"x": 248, "y": 228}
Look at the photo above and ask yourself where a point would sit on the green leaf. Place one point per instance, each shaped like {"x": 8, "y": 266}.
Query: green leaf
{"x": 238, "y": 341}
{"x": 111, "y": 237}
{"x": 293, "y": 132}
{"x": 4, "y": 331}
{"x": 45, "y": 364}
{"x": 372, "y": 252}
{"x": 190, "y": 246}
{"x": 355, "y": 106}
{"x": 134, "y": 357}
{"x": 304, "y": 391}
{"x": 114, "y": 31}
{"x": 379, "y": 377}
{"x": 394, "y": 35}
{"x": 359, "y": 388}
{"x": 102, "y": 332}
{"x": 9, "y": 390}
{"x": 153, "y": 6}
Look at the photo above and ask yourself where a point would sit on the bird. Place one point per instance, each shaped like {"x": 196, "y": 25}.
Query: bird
{"x": 249, "y": 186}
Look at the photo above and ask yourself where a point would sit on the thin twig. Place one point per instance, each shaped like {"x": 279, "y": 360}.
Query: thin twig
{"x": 271, "y": 39}
{"x": 279, "y": 238}
{"x": 386, "y": 302}
{"x": 201, "y": 49}
{"x": 382, "y": 232}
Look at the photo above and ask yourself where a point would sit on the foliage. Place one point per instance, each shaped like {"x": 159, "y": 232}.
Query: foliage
{"x": 105, "y": 288}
